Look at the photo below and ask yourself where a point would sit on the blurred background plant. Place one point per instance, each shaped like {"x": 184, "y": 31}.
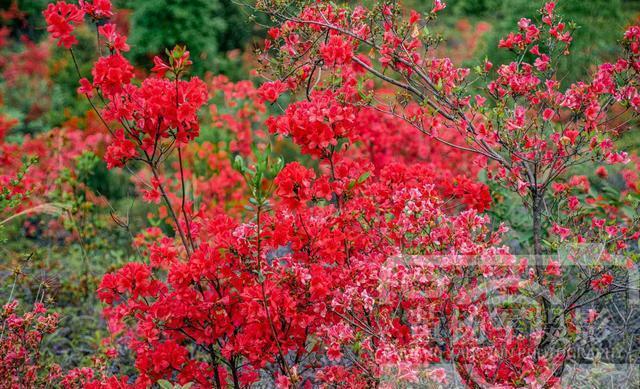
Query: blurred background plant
{"x": 216, "y": 31}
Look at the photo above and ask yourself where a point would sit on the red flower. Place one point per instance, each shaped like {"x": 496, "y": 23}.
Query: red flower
{"x": 97, "y": 9}
{"x": 61, "y": 19}
{"x": 317, "y": 124}
{"x": 337, "y": 50}
{"x": 120, "y": 150}
{"x": 160, "y": 68}
{"x": 115, "y": 41}
{"x": 86, "y": 88}
{"x": 111, "y": 74}
{"x": 270, "y": 91}
{"x": 152, "y": 195}
{"x": 438, "y": 5}
{"x": 294, "y": 184}
{"x": 601, "y": 284}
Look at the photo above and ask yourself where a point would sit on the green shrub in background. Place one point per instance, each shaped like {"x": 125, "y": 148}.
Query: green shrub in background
{"x": 31, "y": 23}
{"x": 65, "y": 101}
{"x": 209, "y": 28}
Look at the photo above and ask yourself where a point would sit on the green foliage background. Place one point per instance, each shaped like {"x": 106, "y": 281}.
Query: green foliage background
{"x": 209, "y": 28}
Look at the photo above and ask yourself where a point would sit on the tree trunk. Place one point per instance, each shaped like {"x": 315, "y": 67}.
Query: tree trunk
{"x": 538, "y": 251}
{"x": 536, "y": 213}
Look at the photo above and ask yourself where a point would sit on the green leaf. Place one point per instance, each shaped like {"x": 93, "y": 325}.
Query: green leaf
{"x": 363, "y": 177}
{"x": 238, "y": 163}
{"x": 164, "y": 384}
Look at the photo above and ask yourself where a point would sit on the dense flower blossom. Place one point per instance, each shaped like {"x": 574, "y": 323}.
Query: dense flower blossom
{"x": 316, "y": 125}
{"x": 528, "y": 146}
{"x": 294, "y": 184}
{"x": 120, "y": 150}
{"x": 97, "y": 9}
{"x": 111, "y": 74}
{"x": 62, "y": 19}
{"x": 22, "y": 336}
{"x": 150, "y": 113}
{"x": 337, "y": 50}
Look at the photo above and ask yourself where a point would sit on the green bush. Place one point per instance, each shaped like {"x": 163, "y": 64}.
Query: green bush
{"x": 209, "y": 28}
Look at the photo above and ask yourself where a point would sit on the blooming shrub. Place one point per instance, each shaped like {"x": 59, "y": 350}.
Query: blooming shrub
{"x": 368, "y": 261}
{"x": 20, "y": 345}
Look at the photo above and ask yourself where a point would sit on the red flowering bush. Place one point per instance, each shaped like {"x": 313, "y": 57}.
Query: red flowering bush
{"x": 21, "y": 338}
{"x": 529, "y": 130}
{"x": 368, "y": 261}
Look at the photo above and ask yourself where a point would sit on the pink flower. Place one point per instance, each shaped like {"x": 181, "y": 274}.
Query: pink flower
{"x": 86, "y": 88}
{"x": 571, "y": 135}
{"x": 115, "y": 41}
{"x": 283, "y": 382}
{"x": 549, "y": 7}
{"x": 573, "y": 203}
{"x": 541, "y": 63}
{"x": 562, "y": 232}
{"x": 438, "y": 6}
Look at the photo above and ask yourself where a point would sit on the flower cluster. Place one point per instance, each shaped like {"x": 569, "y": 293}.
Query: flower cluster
{"x": 317, "y": 125}
{"x": 156, "y": 114}
{"x": 20, "y": 343}
{"x": 62, "y": 19}
{"x": 157, "y": 110}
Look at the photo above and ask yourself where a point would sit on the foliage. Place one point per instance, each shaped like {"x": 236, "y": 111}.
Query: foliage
{"x": 210, "y": 28}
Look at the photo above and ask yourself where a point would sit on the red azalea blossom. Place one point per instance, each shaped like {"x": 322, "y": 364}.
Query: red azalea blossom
{"x": 270, "y": 91}
{"x": 97, "y": 9}
{"x": 61, "y": 19}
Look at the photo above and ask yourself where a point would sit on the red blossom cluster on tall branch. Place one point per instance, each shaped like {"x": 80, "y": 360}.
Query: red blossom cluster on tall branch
{"x": 151, "y": 119}
{"x": 62, "y": 19}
